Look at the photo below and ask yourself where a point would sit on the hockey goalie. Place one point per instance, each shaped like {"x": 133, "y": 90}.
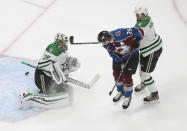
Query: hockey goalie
{"x": 50, "y": 77}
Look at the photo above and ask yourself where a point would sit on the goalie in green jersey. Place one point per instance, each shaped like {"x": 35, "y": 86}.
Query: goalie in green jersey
{"x": 50, "y": 76}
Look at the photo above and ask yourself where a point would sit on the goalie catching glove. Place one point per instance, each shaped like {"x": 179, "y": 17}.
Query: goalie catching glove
{"x": 74, "y": 64}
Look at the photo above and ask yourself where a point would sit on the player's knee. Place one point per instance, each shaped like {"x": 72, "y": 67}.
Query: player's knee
{"x": 127, "y": 80}
{"x": 116, "y": 75}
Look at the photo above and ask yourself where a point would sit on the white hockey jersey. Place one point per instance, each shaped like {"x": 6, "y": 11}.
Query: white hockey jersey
{"x": 53, "y": 55}
{"x": 56, "y": 63}
{"x": 151, "y": 41}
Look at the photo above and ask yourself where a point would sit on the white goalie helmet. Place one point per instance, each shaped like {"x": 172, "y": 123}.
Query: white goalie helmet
{"x": 141, "y": 10}
{"x": 61, "y": 41}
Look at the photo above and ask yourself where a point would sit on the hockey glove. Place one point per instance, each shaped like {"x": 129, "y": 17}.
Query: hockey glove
{"x": 74, "y": 64}
{"x": 136, "y": 42}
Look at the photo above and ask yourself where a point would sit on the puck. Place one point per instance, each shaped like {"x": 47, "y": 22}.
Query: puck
{"x": 26, "y": 73}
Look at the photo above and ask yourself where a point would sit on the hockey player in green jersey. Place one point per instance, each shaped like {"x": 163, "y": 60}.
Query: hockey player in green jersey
{"x": 50, "y": 76}
{"x": 150, "y": 49}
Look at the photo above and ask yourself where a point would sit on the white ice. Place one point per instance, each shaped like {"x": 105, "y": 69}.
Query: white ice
{"x": 28, "y": 26}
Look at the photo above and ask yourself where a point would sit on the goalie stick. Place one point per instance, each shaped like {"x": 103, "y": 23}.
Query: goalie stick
{"x": 71, "y": 80}
{"x": 71, "y": 39}
{"x": 82, "y": 84}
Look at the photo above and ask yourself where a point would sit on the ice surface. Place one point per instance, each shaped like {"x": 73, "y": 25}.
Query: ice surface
{"x": 26, "y": 30}
{"x": 14, "y": 82}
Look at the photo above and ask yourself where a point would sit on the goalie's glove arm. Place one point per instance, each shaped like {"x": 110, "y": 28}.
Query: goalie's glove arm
{"x": 56, "y": 72}
{"x": 52, "y": 69}
{"x": 44, "y": 64}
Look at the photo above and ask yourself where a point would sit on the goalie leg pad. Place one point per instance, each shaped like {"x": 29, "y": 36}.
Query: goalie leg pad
{"x": 44, "y": 101}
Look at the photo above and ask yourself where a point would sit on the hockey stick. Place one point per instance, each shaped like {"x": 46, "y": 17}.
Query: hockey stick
{"x": 71, "y": 80}
{"x": 71, "y": 39}
{"x": 121, "y": 72}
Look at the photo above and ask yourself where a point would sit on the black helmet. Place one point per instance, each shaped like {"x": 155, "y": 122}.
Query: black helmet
{"x": 104, "y": 36}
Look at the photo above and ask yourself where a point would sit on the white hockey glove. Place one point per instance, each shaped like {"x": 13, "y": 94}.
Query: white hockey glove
{"x": 74, "y": 64}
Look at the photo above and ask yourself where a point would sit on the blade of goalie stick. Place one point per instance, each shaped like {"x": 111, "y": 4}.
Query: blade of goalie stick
{"x": 82, "y": 84}
{"x": 76, "y": 82}
{"x": 94, "y": 80}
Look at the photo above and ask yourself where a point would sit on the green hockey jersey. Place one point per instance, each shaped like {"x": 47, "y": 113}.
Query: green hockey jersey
{"x": 53, "y": 55}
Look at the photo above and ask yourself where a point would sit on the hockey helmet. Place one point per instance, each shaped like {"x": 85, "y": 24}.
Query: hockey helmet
{"x": 104, "y": 36}
{"x": 141, "y": 12}
{"x": 61, "y": 41}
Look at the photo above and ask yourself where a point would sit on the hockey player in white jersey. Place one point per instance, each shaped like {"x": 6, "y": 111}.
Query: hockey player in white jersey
{"x": 150, "y": 49}
{"x": 50, "y": 77}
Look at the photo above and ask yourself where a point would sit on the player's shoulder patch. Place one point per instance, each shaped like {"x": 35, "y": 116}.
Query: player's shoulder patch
{"x": 118, "y": 33}
{"x": 53, "y": 49}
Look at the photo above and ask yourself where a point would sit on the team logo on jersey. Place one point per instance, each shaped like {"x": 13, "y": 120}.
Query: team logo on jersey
{"x": 65, "y": 65}
{"x": 122, "y": 49}
{"x": 118, "y": 33}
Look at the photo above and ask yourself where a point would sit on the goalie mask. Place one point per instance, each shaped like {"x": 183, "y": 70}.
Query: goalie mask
{"x": 61, "y": 41}
{"x": 141, "y": 13}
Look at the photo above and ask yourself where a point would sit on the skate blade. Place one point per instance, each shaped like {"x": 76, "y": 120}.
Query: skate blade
{"x": 139, "y": 93}
{"x": 115, "y": 103}
{"x": 19, "y": 102}
{"x": 152, "y": 102}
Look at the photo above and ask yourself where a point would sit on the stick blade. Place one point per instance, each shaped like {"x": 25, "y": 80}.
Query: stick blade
{"x": 71, "y": 39}
{"x": 94, "y": 80}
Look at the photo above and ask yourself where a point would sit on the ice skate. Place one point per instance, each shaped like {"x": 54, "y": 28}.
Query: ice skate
{"x": 152, "y": 98}
{"x": 20, "y": 102}
{"x": 118, "y": 96}
{"x": 140, "y": 87}
{"x": 126, "y": 103}
{"x": 22, "y": 99}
